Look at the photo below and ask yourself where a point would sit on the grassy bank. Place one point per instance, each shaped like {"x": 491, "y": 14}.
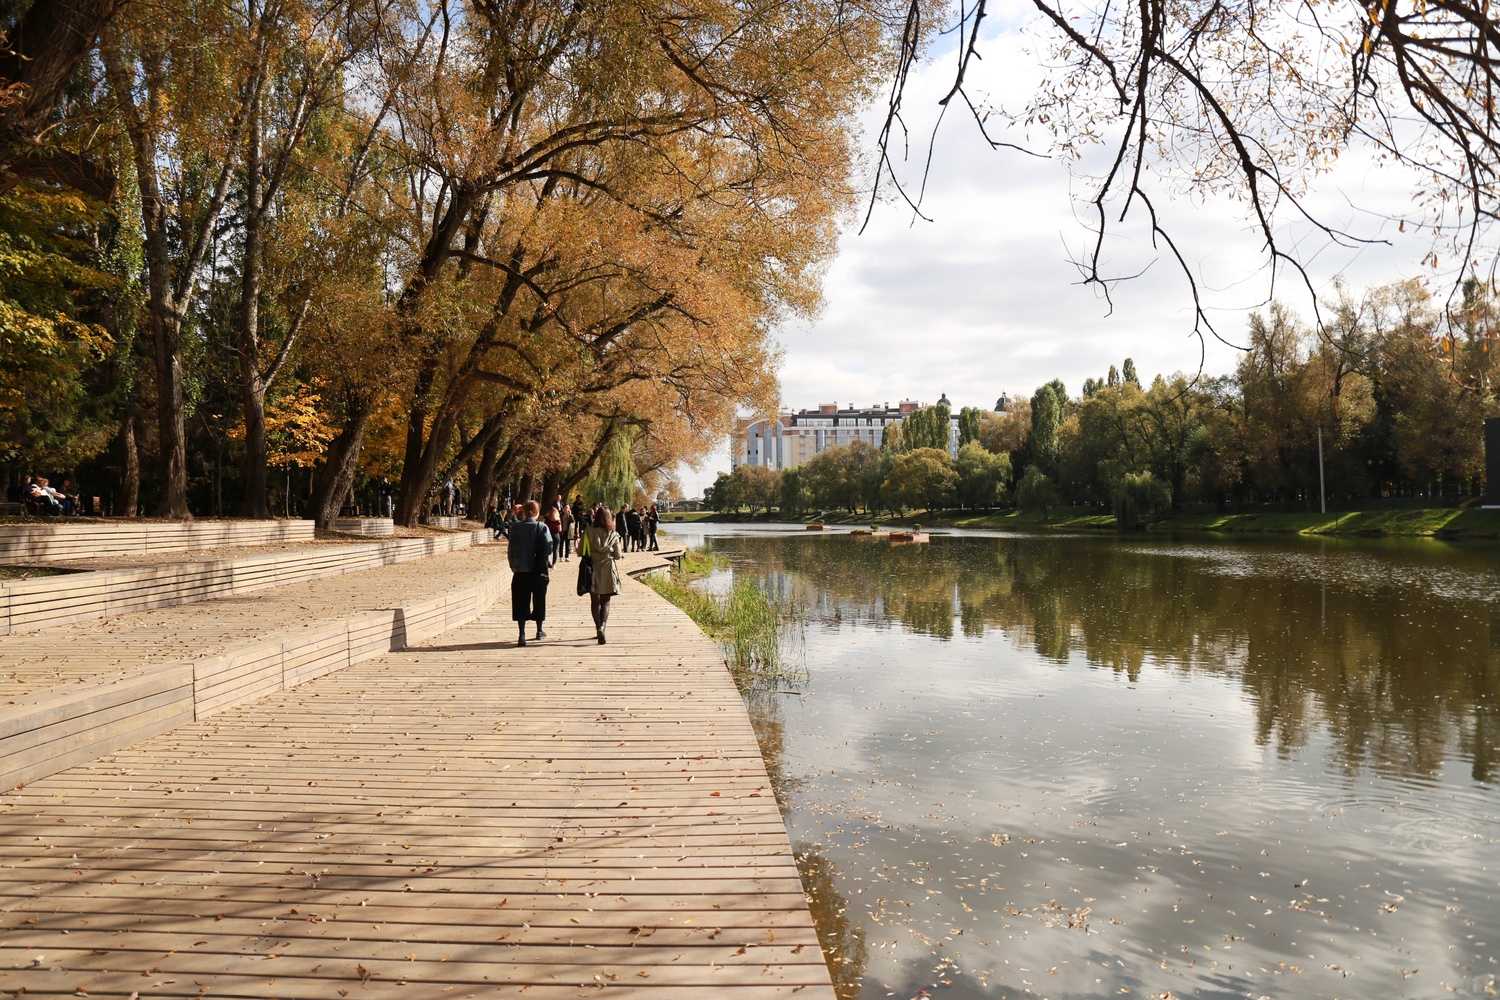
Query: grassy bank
{"x": 752, "y": 625}
{"x": 1450, "y": 523}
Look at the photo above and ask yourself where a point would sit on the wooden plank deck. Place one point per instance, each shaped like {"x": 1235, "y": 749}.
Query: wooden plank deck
{"x": 463, "y": 819}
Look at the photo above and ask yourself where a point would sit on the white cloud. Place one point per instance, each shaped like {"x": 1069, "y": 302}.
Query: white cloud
{"x": 983, "y": 298}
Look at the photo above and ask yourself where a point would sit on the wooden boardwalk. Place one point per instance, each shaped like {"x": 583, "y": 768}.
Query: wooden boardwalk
{"x": 463, "y": 819}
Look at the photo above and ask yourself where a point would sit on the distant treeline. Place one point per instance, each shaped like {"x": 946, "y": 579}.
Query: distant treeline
{"x": 1398, "y": 387}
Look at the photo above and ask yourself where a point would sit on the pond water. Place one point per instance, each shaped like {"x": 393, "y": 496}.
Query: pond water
{"x": 1088, "y": 766}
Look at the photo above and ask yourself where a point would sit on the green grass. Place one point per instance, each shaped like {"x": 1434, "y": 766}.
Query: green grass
{"x": 755, "y": 628}
{"x": 695, "y": 563}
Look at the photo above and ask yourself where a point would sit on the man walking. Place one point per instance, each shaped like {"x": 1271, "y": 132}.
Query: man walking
{"x": 529, "y": 555}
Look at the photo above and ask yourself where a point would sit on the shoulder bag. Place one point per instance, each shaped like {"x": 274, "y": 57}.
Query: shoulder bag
{"x": 585, "y": 567}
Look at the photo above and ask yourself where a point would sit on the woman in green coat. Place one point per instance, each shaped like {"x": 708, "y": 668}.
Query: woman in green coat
{"x": 605, "y": 547}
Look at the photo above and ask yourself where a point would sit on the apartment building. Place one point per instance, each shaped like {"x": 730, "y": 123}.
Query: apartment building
{"x": 789, "y": 439}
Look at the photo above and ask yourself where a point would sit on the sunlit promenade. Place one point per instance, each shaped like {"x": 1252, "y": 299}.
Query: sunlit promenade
{"x": 457, "y": 817}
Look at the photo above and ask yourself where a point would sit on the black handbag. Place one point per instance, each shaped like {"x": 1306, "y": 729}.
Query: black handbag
{"x": 585, "y": 572}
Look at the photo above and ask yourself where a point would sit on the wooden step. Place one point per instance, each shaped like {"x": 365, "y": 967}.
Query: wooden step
{"x": 48, "y": 732}
{"x": 29, "y": 542}
{"x": 47, "y": 602}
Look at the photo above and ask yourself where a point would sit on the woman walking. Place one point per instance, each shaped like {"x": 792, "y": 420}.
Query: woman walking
{"x": 604, "y": 546}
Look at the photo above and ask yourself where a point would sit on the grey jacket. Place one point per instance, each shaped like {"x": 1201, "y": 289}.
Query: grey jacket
{"x": 528, "y": 538}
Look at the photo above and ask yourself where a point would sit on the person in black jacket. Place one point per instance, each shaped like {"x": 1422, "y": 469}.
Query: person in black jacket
{"x": 633, "y": 528}
{"x": 529, "y": 553}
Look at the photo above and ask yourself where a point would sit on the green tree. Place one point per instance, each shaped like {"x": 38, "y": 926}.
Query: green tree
{"x": 924, "y": 427}
{"x": 893, "y": 439}
{"x": 1128, "y": 373}
{"x": 969, "y": 422}
{"x": 1175, "y": 417}
{"x": 1036, "y": 493}
{"x": 982, "y": 475}
{"x": 795, "y": 497}
{"x": 924, "y": 478}
{"x": 758, "y": 486}
{"x": 614, "y": 478}
{"x": 50, "y": 337}
{"x": 1046, "y": 415}
{"x": 1137, "y": 498}
{"x": 833, "y": 478}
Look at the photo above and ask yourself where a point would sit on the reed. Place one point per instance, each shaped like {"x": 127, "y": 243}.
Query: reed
{"x": 759, "y": 631}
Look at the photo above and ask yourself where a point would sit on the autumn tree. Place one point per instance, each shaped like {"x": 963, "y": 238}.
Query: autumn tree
{"x": 617, "y": 114}
{"x": 183, "y": 119}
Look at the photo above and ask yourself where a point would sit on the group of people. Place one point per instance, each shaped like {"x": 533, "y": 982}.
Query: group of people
{"x": 568, "y": 522}
{"x": 640, "y": 528}
{"x": 38, "y": 494}
{"x": 449, "y": 502}
{"x": 535, "y": 541}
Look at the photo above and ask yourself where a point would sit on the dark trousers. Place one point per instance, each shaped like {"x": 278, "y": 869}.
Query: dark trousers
{"x": 528, "y": 597}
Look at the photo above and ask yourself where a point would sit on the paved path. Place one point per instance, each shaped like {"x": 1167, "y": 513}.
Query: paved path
{"x": 463, "y": 819}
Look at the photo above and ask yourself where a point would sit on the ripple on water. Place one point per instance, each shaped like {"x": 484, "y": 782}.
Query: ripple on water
{"x": 1000, "y": 760}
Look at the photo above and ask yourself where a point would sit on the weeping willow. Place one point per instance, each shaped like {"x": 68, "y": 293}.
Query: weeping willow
{"x": 613, "y": 480}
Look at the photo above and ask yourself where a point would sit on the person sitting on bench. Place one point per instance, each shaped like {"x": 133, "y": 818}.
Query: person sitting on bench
{"x": 40, "y": 496}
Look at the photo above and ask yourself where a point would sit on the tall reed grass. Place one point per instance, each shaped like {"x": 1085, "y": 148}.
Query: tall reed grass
{"x": 759, "y": 631}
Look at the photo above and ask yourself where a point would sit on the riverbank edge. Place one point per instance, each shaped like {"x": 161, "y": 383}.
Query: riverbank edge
{"x": 1442, "y": 523}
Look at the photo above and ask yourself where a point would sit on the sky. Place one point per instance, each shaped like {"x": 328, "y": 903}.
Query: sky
{"x": 982, "y": 299}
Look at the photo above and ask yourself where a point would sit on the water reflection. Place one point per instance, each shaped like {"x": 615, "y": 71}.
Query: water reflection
{"x": 1074, "y": 767}
{"x": 1394, "y": 656}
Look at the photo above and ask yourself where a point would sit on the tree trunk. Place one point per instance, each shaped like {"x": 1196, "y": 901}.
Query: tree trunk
{"x": 39, "y": 58}
{"x": 335, "y": 477}
{"x": 524, "y": 488}
{"x": 482, "y": 486}
{"x": 549, "y": 486}
{"x": 252, "y": 385}
{"x": 130, "y": 467}
{"x": 171, "y": 429}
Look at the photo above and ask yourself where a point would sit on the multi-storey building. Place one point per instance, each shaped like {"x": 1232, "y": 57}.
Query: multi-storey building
{"x": 789, "y": 439}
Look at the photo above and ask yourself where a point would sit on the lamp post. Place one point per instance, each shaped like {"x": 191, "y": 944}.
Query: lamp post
{"x": 1322, "y": 493}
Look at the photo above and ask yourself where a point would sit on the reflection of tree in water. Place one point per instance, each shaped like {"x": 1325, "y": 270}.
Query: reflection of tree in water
{"x": 770, "y": 733}
{"x": 843, "y": 942}
{"x": 843, "y": 945}
{"x": 1320, "y": 640}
